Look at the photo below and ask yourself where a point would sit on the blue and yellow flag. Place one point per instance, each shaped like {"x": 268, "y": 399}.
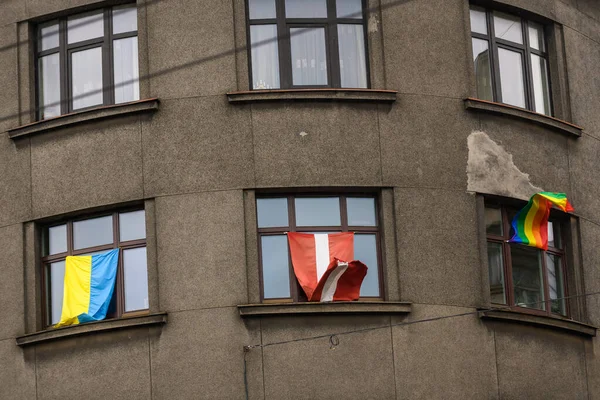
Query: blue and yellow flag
{"x": 89, "y": 286}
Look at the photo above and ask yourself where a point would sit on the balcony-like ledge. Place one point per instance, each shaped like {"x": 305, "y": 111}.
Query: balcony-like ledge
{"x": 90, "y": 328}
{"x": 540, "y": 320}
{"x": 522, "y": 114}
{"x": 324, "y": 94}
{"x": 94, "y": 114}
{"x": 338, "y": 307}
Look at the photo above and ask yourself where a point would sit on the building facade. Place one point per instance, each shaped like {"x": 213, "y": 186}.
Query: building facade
{"x": 193, "y": 135}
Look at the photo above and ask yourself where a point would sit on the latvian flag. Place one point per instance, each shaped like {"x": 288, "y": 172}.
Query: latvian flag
{"x": 322, "y": 265}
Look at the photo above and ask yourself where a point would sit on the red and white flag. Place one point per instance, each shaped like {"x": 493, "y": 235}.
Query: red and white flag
{"x": 322, "y": 263}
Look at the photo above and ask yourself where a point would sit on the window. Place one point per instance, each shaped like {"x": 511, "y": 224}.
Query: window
{"x": 511, "y": 60}
{"x": 315, "y": 214}
{"x": 87, "y": 60}
{"x": 523, "y": 276}
{"x": 124, "y": 230}
{"x": 307, "y": 43}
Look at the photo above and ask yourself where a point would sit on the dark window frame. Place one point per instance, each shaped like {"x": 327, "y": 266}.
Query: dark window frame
{"x": 65, "y": 50}
{"x": 118, "y": 300}
{"x": 331, "y": 43}
{"x": 296, "y": 292}
{"x": 524, "y": 49}
{"x": 562, "y": 252}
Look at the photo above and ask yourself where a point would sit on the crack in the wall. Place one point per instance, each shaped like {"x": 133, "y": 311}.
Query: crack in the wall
{"x": 491, "y": 169}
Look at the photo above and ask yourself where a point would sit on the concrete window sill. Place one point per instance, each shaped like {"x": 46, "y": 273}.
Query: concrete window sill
{"x": 94, "y": 114}
{"x": 526, "y": 115}
{"x": 338, "y": 307}
{"x": 325, "y": 94}
{"x": 91, "y": 328}
{"x": 540, "y": 321}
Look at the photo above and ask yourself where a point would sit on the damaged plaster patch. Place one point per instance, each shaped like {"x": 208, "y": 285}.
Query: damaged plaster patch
{"x": 373, "y": 24}
{"x": 490, "y": 169}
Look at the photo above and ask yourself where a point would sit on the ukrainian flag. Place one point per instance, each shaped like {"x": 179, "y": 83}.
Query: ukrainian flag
{"x": 89, "y": 286}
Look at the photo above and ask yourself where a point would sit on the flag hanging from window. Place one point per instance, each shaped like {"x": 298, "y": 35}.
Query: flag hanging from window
{"x": 323, "y": 265}
{"x": 89, "y": 286}
{"x": 531, "y": 223}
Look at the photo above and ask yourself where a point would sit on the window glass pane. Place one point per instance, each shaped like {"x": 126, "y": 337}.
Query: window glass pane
{"x": 527, "y": 277}
{"x": 85, "y": 27}
{"x": 541, "y": 88}
{"x": 127, "y": 74}
{"x": 272, "y": 212}
{"x": 49, "y": 36}
{"x": 309, "y": 62}
{"x": 56, "y": 288}
{"x": 261, "y": 9}
{"x": 275, "y": 266}
{"x": 132, "y": 225}
{"x": 353, "y": 64}
{"x": 93, "y": 232}
{"x": 536, "y": 36}
{"x": 136, "y": 279}
{"x": 318, "y": 211}
{"x": 365, "y": 250}
{"x": 478, "y": 20}
{"x": 496, "y": 273}
{"x": 305, "y": 9}
{"x": 483, "y": 72}
{"x": 493, "y": 221}
{"x": 508, "y": 27}
{"x": 349, "y": 9}
{"x": 554, "y": 235}
{"x": 556, "y": 289}
{"x": 55, "y": 240}
{"x": 511, "y": 77}
{"x": 87, "y": 78}
{"x": 361, "y": 211}
{"x": 265, "y": 56}
{"x": 124, "y": 19}
{"x": 49, "y": 81}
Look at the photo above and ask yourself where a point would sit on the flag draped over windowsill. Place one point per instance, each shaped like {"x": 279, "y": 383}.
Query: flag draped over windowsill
{"x": 88, "y": 287}
{"x": 531, "y": 222}
{"x": 325, "y": 267}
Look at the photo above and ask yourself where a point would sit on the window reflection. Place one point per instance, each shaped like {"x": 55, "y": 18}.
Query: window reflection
{"x": 365, "y": 250}
{"x": 483, "y": 72}
{"x": 511, "y": 77}
{"x": 318, "y": 211}
{"x": 87, "y": 78}
{"x": 275, "y": 266}
{"x": 136, "y": 279}
{"x": 93, "y": 232}
{"x": 496, "y": 273}
{"x": 527, "y": 277}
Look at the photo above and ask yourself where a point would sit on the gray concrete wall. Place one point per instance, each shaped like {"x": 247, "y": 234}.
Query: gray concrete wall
{"x": 200, "y": 158}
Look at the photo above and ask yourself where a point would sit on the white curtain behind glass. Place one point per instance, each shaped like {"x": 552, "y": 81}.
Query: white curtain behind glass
{"x": 353, "y": 66}
{"x": 127, "y": 84}
{"x": 265, "y": 57}
{"x": 309, "y": 60}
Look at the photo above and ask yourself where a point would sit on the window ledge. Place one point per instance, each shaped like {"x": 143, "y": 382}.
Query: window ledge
{"x": 338, "y": 307}
{"x": 92, "y": 327}
{"x": 323, "y": 94}
{"x": 95, "y": 114}
{"x": 516, "y": 112}
{"x": 539, "y": 320}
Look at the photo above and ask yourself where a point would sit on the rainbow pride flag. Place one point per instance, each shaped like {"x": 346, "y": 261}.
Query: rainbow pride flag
{"x": 531, "y": 223}
{"x": 89, "y": 286}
